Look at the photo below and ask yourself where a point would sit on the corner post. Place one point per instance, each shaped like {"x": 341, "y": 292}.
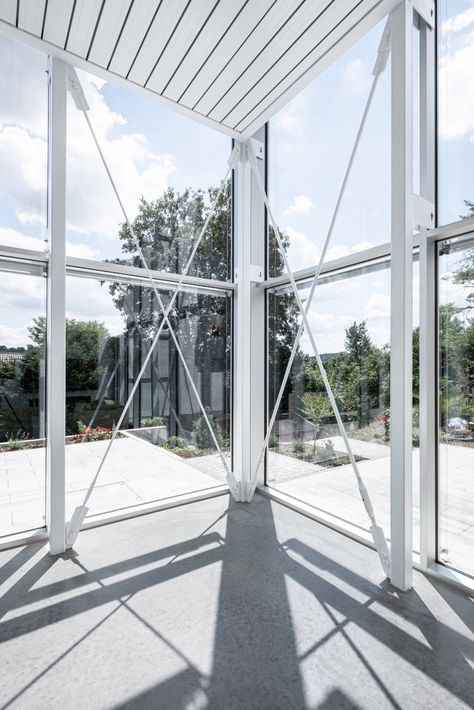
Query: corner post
{"x": 428, "y": 318}
{"x": 56, "y": 312}
{"x": 401, "y": 297}
{"x": 249, "y": 319}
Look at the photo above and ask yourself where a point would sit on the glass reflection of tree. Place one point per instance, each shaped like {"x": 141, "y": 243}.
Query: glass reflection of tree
{"x": 167, "y": 229}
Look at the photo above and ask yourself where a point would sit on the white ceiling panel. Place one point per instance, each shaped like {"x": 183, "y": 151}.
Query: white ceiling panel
{"x": 187, "y": 31}
{"x": 31, "y": 16}
{"x": 107, "y": 33}
{"x": 138, "y": 23}
{"x": 8, "y": 10}
{"x": 159, "y": 36}
{"x": 223, "y": 17}
{"x": 230, "y": 64}
{"x": 86, "y": 15}
{"x": 57, "y": 21}
{"x": 271, "y": 68}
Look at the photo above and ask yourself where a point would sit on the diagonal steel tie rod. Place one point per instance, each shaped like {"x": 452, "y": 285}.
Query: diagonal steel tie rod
{"x": 74, "y": 525}
{"x": 377, "y": 532}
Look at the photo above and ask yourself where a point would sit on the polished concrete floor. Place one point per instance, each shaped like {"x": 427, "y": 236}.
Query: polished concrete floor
{"x": 223, "y": 606}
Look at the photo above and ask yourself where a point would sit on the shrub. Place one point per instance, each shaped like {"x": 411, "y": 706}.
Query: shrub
{"x": 153, "y": 421}
{"x": 299, "y": 446}
{"x": 273, "y": 441}
{"x": 88, "y": 433}
{"x": 17, "y": 441}
{"x": 174, "y": 442}
{"x": 202, "y": 436}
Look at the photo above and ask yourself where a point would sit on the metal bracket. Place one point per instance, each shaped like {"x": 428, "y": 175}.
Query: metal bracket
{"x": 383, "y": 51}
{"x": 258, "y": 148}
{"x": 426, "y": 10}
{"x": 256, "y": 274}
{"x": 423, "y": 212}
{"x": 75, "y": 89}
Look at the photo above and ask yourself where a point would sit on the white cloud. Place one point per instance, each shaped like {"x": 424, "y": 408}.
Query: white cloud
{"x": 301, "y": 205}
{"x": 458, "y": 22}
{"x": 23, "y": 176}
{"x": 357, "y": 77}
{"x": 92, "y": 207}
{"x": 136, "y": 169}
{"x": 455, "y": 78}
{"x": 82, "y": 251}
{"x": 377, "y": 307}
{"x": 13, "y": 238}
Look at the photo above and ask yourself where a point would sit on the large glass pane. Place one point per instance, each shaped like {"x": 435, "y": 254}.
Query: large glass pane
{"x": 167, "y": 169}
{"x": 456, "y": 109}
{"x": 350, "y": 319}
{"x": 165, "y": 448}
{"x": 456, "y": 405}
{"x": 23, "y": 145}
{"x": 22, "y": 404}
{"x": 310, "y": 143}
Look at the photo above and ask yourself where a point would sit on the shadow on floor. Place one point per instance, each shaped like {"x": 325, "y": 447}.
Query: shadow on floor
{"x": 259, "y": 660}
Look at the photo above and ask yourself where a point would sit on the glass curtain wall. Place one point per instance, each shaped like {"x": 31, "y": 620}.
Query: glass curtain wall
{"x": 168, "y": 171}
{"x": 456, "y": 403}
{"x": 165, "y": 447}
{"x": 350, "y": 312}
{"x": 455, "y": 285}
{"x": 23, "y": 198}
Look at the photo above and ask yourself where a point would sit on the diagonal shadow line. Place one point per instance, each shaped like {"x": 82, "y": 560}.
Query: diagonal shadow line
{"x": 63, "y": 655}
{"x": 429, "y": 661}
{"x": 407, "y": 604}
{"x": 26, "y": 582}
{"x": 18, "y": 560}
{"x": 362, "y": 658}
{"x": 56, "y": 588}
{"x": 122, "y": 604}
{"x": 73, "y": 606}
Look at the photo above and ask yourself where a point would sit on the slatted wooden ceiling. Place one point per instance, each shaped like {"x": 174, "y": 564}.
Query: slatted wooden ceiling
{"x": 231, "y": 63}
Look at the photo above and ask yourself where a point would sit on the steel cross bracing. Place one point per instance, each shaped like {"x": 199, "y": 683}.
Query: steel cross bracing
{"x": 376, "y": 531}
{"x": 74, "y": 525}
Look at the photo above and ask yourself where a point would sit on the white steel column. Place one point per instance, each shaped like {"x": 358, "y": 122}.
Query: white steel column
{"x": 401, "y": 297}
{"x": 428, "y": 356}
{"x": 249, "y": 315}
{"x": 56, "y": 321}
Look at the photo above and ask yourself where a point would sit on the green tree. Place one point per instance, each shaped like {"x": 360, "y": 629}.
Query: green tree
{"x": 316, "y": 406}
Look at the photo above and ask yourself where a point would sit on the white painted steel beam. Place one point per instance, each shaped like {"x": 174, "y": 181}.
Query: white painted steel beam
{"x": 401, "y": 298}
{"x": 56, "y": 320}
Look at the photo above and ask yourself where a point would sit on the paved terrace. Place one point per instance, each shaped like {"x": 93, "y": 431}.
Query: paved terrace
{"x": 137, "y": 472}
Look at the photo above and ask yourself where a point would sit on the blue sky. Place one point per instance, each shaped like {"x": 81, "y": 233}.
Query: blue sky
{"x": 150, "y": 148}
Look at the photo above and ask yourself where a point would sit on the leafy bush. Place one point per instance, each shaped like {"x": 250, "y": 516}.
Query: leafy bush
{"x": 174, "y": 442}
{"x": 16, "y": 441}
{"x": 273, "y": 441}
{"x": 299, "y": 446}
{"x": 88, "y": 433}
{"x": 153, "y": 421}
{"x": 201, "y": 434}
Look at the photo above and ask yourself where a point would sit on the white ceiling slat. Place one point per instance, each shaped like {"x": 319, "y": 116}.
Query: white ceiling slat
{"x": 315, "y": 63}
{"x": 229, "y": 64}
{"x": 222, "y": 18}
{"x": 190, "y": 25}
{"x": 108, "y": 30}
{"x": 139, "y": 19}
{"x": 83, "y": 25}
{"x": 270, "y": 71}
{"x": 273, "y": 22}
{"x": 8, "y": 11}
{"x": 163, "y": 25}
{"x": 58, "y": 17}
{"x": 223, "y": 51}
{"x": 30, "y": 16}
